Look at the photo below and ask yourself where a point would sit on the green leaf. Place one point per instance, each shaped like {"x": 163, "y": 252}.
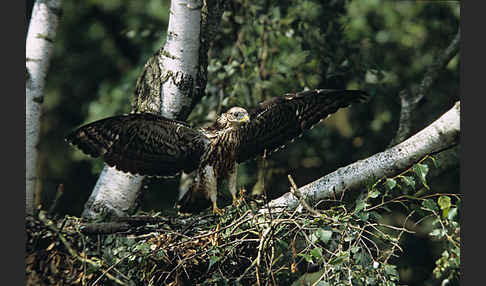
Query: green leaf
{"x": 363, "y": 216}
{"x": 159, "y": 254}
{"x": 374, "y": 193}
{"x": 409, "y": 181}
{"x": 390, "y": 184}
{"x": 360, "y": 205}
{"x": 324, "y": 235}
{"x": 452, "y": 213}
{"x": 391, "y": 270}
{"x": 143, "y": 248}
{"x": 307, "y": 257}
{"x": 436, "y": 232}
{"x": 444, "y": 202}
{"x": 316, "y": 252}
{"x": 421, "y": 170}
{"x": 445, "y": 213}
{"x": 362, "y": 258}
{"x": 212, "y": 260}
{"x": 430, "y": 204}
{"x": 338, "y": 259}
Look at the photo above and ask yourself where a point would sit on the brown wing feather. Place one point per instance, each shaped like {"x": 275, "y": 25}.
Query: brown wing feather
{"x": 142, "y": 143}
{"x": 278, "y": 120}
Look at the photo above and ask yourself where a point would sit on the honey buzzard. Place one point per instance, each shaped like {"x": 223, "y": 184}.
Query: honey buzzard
{"x": 152, "y": 145}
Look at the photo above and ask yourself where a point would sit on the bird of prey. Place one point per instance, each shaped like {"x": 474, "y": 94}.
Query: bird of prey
{"x": 152, "y": 145}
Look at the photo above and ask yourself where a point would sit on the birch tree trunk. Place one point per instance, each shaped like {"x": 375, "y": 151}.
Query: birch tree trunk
{"x": 39, "y": 43}
{"x": 172, "y": 82}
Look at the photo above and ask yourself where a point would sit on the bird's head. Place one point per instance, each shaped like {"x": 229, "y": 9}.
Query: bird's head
{"x": 234, "y": 117}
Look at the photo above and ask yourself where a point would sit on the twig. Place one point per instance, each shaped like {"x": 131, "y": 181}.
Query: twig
{"x": 295, "y": 191}
{"x": 400, "y": 235}
{"x": 111, "y": 267}
{"x": 65, "y": 242}
{"x": 216, "y": 231}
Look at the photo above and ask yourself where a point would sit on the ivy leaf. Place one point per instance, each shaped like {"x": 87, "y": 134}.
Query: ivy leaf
{"x": 307, "y": 257}
{"x": 316, "y": 252}
{"x": 390, "y": 184}
{"x": 324, "y": 235}
{"x": 409, "y": 181}
{"x": 360, "y": 205}
{"x": 391, "y": 270}
{"x": 362, "y": 258}
{"x": 374, "y": 193}
{"x": 421, "y": 170}
{"x": 444, "y": 203}
{"x": 339, "y": 259}
{"x": 452, "y": 213}
{"x": 143, "y": 248}
{"x": 430, "y": 204}
{"x": 436, "y": 232}
{"x": 363, "y": 216}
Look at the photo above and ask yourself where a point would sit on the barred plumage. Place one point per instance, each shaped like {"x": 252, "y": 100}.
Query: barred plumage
{"x": 152, "y": 145}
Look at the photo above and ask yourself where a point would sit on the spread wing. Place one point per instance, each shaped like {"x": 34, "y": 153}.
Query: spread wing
{"x": 142, "y": 143}
{"x": 275, "y": 121}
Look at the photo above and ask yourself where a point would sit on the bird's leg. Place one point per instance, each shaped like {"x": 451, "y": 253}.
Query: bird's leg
{"x": 217, "y": 210}
{"x": 212, "y": 188}
{"x": 232, "y": 180}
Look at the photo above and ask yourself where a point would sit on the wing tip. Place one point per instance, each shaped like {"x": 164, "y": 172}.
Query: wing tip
{"x": 76, "y": 139}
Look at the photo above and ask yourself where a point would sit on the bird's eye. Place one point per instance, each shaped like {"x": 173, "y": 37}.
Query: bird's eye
{"x": 237, "y": 114}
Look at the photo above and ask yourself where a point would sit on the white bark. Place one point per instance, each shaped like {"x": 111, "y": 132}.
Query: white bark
{"x": 441, "y": 134}
{"x": 116, "y": 191}
{"x": 181, "y": 55}
{"x": 39, "y": 43}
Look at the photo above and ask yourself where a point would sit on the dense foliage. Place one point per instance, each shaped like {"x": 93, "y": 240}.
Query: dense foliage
{"x": 265, "y": 49}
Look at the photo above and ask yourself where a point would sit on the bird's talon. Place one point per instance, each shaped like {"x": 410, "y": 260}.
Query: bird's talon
{"x": 217, "y": 210}
{"x": 237, "y": 201}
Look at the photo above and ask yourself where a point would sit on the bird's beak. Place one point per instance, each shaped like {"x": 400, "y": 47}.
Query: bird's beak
{"x": 245, "y": 118}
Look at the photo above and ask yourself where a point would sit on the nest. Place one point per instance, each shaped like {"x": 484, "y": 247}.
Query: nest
{"x": 245, "y": 246}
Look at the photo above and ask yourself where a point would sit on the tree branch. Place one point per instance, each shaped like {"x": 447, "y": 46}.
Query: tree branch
{"x": 441, "y": 135}
{"x": 409, "y": 100}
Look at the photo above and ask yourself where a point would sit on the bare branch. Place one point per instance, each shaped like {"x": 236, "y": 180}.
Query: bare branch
{"x": 409, "y": 100}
